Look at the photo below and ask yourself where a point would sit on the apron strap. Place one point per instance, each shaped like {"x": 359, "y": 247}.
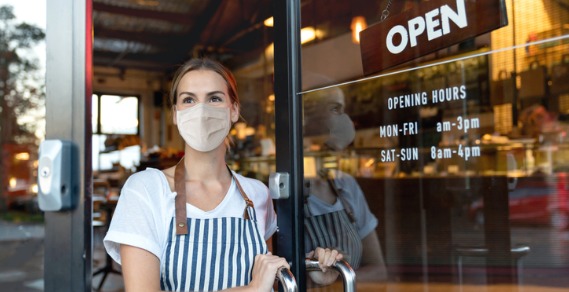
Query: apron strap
{"x": 180, "y": 200}
{"x": 248, "y": 202}
{"x": 336, "y": 191}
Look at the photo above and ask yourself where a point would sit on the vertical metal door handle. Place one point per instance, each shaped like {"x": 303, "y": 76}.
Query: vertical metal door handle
{"x": 346, "y": 271}
{"x": 287, "y": 280}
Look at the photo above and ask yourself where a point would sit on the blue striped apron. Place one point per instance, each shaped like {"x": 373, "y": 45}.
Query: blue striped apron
{"x": 209, "y": 254}
{"x": 335, "y": 230}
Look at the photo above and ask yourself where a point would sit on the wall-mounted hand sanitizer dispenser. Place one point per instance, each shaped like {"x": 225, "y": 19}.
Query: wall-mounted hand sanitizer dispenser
{"x": 56, "y": 170}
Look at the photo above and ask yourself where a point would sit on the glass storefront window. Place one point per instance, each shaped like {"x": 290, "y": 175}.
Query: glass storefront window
{"x": 451, "y": 172}
{"x": 22, "y": 128}
{"x": 447, "y": 174}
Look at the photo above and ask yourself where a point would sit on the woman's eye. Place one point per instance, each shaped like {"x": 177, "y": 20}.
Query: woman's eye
{"x": 336, "y": 109}
{"x": 216, "y": 99}
{"x": 188, "y": 100}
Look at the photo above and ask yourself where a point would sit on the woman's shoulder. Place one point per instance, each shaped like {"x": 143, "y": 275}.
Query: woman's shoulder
{"x": 339, "y": 174}
{"x": 344, "y": 179}
{"x": 150, "y": 179}
{"x": 249, "y": 182}
{"x": 147, "y": 174}
{"x": 254, "y": 188}
{"x": 348, "y": 184}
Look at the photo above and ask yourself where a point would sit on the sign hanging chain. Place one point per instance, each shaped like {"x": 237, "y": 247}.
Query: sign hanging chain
{"x": 385, "y": 12}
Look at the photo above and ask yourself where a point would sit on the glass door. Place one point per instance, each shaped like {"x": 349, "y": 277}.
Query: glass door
{"x": 22, "y": 127}
{"x": 450, "y": 168}
{"x": 288, "y": 131}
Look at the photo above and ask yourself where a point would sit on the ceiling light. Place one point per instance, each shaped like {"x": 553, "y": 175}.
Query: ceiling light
{"x": 307, "y": 34}
{"x": 358, "y": 24}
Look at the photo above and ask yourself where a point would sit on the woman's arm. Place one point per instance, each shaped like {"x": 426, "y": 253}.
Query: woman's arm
{"x": 373, "y": 265}
{"x": 140, "y": 269}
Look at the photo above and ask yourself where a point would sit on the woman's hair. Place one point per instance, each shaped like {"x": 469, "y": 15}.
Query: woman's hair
{"x": 204, "y": 64}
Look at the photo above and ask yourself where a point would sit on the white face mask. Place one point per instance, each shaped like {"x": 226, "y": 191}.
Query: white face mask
{"x": 342, "y": 131}
{"x": 203, "y": 127}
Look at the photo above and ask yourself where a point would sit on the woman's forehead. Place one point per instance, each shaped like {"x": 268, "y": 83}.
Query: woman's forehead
{"x": 324, "y": 98}
{"x": 202, "y": 79}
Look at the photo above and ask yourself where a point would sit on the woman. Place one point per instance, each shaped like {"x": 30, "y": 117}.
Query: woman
{"x": 198, "y": 226}
{"x": 336, "y": 212}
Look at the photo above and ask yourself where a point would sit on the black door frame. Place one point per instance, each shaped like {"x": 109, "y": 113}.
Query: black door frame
{"x": 288, "y": 134}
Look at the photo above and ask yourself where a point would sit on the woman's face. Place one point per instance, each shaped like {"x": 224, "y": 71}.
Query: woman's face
{"x": 204, "y": 86}
{"x": 320, "y": 109}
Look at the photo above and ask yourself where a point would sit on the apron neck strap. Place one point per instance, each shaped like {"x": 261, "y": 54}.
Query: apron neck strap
{"x": 332, "y": 183}
{"x": 248, "y": 202}
{"x": 180, "y": 200}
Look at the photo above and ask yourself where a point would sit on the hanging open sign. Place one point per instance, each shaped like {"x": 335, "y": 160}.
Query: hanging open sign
{"x": 426, "y": 28}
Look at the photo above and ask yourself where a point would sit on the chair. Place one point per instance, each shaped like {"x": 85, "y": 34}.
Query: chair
{"x": 102, "y": 213}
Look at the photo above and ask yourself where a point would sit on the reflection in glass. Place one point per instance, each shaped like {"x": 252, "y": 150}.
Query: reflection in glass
{"x": 456, "y": 175}
{"x": 483, "y": 171}
{"x": 336, "y": 212}
{"x": 22, "y": 128}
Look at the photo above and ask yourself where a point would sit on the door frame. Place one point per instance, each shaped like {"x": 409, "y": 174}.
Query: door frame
{"x": 288, "y": 135}
{"x": 68, "y": 234}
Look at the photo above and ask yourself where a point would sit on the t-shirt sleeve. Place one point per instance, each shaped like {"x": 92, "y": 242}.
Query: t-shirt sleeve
{"x": 137, "y": 220}
{"x": 365, "y": 220}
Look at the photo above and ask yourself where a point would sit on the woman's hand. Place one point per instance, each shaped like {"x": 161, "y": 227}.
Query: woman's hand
{"x": 326, "y": 259}
{"x": 265, "y": 270}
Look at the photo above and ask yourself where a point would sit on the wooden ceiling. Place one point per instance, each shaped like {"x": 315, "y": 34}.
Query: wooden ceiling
{"x": 158, "y": 35}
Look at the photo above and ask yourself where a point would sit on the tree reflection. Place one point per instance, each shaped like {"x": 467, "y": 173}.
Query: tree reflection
{"x": 22, "y": 98}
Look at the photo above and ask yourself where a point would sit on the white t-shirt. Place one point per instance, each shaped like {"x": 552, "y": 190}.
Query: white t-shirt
{"x": 366, "y": 222}
{"x": 146, "y": 207}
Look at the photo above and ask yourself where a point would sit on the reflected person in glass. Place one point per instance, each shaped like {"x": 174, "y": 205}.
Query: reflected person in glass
{"x": 337, "y": 215}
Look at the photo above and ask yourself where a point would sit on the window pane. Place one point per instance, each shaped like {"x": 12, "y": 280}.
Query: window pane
{"x": 95, "y": 112}
{"x": 22, "y": 129}
{"x": 458, "y": 164}
{"x": 103, "y": 159}
{"x": 119, "y": 115}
